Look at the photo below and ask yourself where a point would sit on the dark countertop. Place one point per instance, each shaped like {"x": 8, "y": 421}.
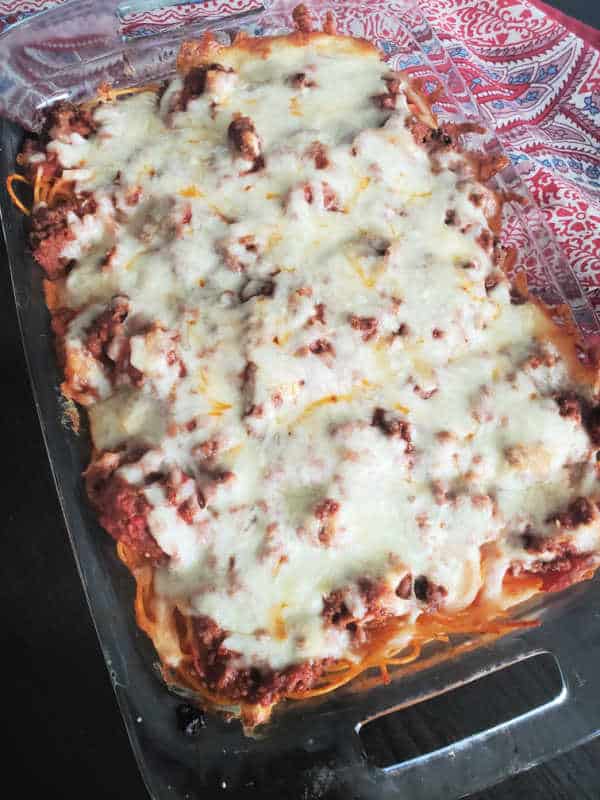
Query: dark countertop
{"x": 65, "y": 735}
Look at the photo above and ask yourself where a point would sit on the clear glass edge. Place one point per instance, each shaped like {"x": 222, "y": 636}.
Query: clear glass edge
{"x": 120, "y": 682}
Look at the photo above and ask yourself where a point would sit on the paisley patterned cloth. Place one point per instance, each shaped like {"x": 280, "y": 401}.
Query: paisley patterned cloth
{"x": 539, "y": 84}
{"x": 536, "y": 76}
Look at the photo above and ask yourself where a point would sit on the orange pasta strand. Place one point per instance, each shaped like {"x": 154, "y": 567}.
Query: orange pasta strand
{"x": 15, "y": 177}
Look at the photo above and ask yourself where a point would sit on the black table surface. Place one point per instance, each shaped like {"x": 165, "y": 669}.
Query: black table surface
{"x": 64, "y": 732}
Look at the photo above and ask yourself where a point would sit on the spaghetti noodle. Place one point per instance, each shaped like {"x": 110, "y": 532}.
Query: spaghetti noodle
{"x": 16, "y": 178}
{"x": 109, "y": 94}
{"x": 47, "y": 190}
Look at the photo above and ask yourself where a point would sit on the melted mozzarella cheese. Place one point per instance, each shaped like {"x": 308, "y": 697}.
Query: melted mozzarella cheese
{"x": 264, "y": 268}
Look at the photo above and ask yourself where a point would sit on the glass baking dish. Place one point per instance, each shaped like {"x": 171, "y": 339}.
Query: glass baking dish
{"x": 314, "y": 744}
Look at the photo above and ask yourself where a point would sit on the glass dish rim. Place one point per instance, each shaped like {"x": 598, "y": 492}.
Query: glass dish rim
{"x": 65, "y": 488}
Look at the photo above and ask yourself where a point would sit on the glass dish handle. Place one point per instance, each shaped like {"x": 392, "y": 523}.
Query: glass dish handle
{"x": 490, "y": 756}
{"x": 142, "y": 18}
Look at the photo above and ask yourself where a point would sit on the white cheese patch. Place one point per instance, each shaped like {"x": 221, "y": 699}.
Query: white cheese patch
{"x": 126, "y": 417}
